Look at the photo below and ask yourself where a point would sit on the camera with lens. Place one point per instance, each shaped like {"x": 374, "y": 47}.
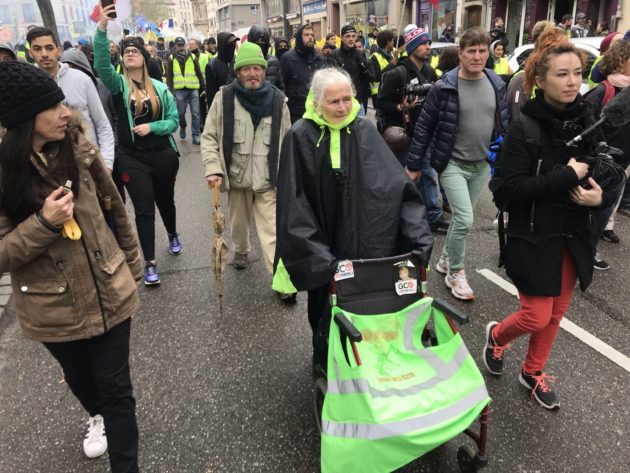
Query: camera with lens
{"x": 414, "y": 89}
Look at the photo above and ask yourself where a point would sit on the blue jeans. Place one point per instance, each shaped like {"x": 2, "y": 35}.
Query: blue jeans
{"x": 182, "y": 97}
{"x": 427, "y": 185}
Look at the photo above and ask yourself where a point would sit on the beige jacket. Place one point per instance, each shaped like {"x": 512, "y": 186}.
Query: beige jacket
{"x": 249, "y": 169}
{"x": 71, "y": 290}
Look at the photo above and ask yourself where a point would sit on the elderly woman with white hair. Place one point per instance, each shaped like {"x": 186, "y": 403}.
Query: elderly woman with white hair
{"x": 341, "y": 195}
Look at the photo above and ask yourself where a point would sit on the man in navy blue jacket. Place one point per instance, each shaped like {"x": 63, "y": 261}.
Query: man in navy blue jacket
{"x": 463, "y": 112}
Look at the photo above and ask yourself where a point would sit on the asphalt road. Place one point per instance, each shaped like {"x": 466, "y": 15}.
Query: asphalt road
{"x": 232, "y": 391}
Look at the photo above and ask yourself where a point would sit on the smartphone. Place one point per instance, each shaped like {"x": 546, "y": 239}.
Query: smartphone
{"x": 106, "y": 3}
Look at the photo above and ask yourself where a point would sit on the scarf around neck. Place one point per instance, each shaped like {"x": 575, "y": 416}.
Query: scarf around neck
{"x": 621, "y": 81}
{"x": 258, "y": 103}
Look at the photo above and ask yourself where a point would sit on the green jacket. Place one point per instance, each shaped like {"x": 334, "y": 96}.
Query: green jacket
{"x": 117, "y": 84}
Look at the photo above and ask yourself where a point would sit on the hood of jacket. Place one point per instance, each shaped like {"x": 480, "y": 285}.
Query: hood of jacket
{"x": 258, "y": 32}
{"x": 335, "y": 138}
{"x": 78, "y": 59}
{"x": 63, "y": 69}
{"x": 225, "y": 51}
{"x": 566, "y": 123}
{"x": 280, "y": 52}
{"x": 299, "y": 44}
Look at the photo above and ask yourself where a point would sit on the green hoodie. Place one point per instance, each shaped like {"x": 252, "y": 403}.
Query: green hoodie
{"x": 281, "y": 278}
{"x": 335, "y": 137}
{"x": 116, "y": 84}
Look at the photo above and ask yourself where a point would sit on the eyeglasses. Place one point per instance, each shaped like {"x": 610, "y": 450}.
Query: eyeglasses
{"x": 131, "y": 52}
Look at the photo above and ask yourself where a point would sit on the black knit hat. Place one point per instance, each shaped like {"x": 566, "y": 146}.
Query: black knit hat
{"x": 25, "y": 92}
{"x": 138, "y": 43}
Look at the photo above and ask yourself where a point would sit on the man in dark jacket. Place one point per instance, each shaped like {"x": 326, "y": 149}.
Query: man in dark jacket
{"x": 402, "y": 110}
{"x": 220, "y": 70}
{"x": 298, "y": 66}
{"x": 260, "y": 35}
{"x": 355, "y": 63}
{"x": 463, "y": 112}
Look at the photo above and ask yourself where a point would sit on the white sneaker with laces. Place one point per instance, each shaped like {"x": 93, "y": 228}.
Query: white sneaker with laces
{"x": 442, "y": 265}
{"x": 95, "y": 442}
{"x": 458, "y": 285}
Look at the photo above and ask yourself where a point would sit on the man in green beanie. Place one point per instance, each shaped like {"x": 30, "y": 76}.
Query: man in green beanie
{"x": 240, "y": 146}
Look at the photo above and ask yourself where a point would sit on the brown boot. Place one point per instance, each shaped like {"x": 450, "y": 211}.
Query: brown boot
{"x": 240, "y": 261}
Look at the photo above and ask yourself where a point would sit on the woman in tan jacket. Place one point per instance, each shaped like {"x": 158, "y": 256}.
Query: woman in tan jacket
{"x": 74, "y": 292}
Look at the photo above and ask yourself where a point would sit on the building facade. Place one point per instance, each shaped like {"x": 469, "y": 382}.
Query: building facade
{"x": 200, "y": 17}
{"x": 72, "y": 17}
{"x": 237, "y": 16}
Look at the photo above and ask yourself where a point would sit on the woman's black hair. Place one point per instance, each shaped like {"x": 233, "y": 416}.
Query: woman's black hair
{"x": 23, "y": 188}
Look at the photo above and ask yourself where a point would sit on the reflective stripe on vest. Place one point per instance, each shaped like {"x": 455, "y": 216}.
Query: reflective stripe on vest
{"x": 383, "y": 63}
{"x": 187, "y": 81}
{"x": 404, "y": 399}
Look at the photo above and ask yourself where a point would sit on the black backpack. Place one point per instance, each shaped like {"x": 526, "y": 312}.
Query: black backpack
{"x": 533, "y": 142}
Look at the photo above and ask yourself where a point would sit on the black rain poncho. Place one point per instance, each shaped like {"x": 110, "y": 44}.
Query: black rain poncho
{"x": 341, "y": 195}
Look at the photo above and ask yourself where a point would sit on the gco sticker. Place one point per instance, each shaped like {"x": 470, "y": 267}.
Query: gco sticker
{"x": 408, "y": 286}
{"x": 345, "y": 270}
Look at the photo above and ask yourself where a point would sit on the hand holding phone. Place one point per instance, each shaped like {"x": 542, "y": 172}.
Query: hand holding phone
{"x": 107, "y": 3}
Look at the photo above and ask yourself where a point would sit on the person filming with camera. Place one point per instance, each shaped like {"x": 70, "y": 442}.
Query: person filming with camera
{"x": 402, "y": 91}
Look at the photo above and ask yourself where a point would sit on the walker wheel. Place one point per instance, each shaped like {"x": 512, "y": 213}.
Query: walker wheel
{"x": 466, "y": 457}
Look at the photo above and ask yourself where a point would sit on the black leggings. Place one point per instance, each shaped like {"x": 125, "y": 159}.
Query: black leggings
{"x": 97, "y": 373}
{"x": 149, "y": 176}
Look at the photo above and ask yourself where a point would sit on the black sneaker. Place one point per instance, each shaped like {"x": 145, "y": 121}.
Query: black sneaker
{"x": 493, "y": 352}
{"x": 600, "y": 264}
{"x": 610, "y": 236}
{"x": 440, "y": 225}
{"x": 541, "y": 391}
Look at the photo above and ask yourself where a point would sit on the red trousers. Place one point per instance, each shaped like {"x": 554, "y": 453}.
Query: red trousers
{"x": 540, "y": 317}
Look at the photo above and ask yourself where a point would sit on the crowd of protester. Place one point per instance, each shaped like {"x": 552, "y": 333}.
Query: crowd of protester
{"x": 282, "y": 129}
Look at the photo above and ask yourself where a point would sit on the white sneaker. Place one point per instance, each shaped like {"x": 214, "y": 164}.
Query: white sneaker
{"x": 442, "y": 265}
{"x": 459, "y": 285}
{"x": 95, "y": 442}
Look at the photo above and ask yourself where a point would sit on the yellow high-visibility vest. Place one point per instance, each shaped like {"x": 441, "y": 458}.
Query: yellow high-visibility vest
{"x": 189, "y": 79}
{"x": 203, "y": 61}
{"x": 383, "y": 62}
{"x": 501, "y": 66}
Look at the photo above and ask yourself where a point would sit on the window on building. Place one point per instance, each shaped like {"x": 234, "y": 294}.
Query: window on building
{"x": 29, "y": 13}
{"x": 5, "y": 14}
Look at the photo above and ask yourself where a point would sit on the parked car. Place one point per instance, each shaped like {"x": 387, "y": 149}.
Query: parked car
{"x": 589, "y": 45}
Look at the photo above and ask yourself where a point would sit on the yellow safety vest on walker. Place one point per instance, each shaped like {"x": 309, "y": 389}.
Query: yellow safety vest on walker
{"x": 187, "y": 81}
{"x": 404, "y": 399}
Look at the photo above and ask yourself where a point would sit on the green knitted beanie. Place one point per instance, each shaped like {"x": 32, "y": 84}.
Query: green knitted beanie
{"x": 249, "y": 54}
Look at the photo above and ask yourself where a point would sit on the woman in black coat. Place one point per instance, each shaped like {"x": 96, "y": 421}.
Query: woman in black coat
{"x": 548, "y": 242}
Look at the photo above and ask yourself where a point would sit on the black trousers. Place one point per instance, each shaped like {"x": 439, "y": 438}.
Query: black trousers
{"x": 149, "y": 176}
{"x": 97, "y": 372}
{"x": 319, "y": 314}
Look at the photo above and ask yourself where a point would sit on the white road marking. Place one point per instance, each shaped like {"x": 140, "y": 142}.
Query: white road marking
{"x": 579, "y": 333}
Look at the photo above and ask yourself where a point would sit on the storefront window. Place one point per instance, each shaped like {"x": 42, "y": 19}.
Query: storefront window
{"x": 437, "y": 19}
{"x": 366, "y": 14}
{"x": 274, "y": 8}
